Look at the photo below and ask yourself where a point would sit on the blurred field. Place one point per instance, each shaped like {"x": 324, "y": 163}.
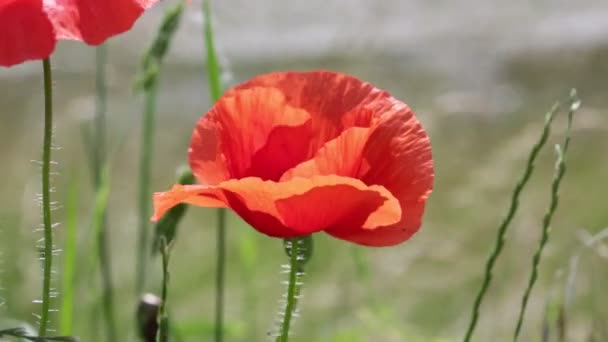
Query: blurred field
{"x": 481, "y": 125}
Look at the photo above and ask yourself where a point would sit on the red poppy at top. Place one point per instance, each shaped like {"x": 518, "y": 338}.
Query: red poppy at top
{"x": 29, "y": 29}
{"x": 294, "y": 153}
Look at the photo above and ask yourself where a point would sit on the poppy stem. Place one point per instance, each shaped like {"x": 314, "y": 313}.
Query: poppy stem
{"x": 299, "y": 251}
{"x": 46, "y": 196}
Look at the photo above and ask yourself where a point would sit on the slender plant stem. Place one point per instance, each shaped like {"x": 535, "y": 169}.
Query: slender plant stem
{"x": 502, "y": 230}
{"x": 291, "y": 291}
{"x": 46, "y": 196}
{"x": 220, "y": 270}
{"x": 100, "y": 160}
{"x": 215, "y": 91}
{"x": 145, "y": 167}
{"x": 560, "y": 171}
{"x": 101, "y": 108}
{"x": 213, "y": 65}
{"x": 163, "y": 328}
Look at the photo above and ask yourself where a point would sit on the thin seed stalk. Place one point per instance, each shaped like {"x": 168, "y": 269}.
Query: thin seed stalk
{"x": 560, "y": 171}
{"x": 163, "y": 326}
{"x": 504, "y": 225}
{"x": 46, "y": 196}
{"x": 100, "y": 160}
{"x": 220, "y": 271}
{"x": 145, "y": 169}
{"x": 215, "y": 91}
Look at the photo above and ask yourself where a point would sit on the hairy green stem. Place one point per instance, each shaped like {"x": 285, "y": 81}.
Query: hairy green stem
{"x": 299, "y": 251}
{"x": 560, "y": 170}
{"x": 145, "y": 169}
{"x": 291, "y": 300}
{"x": 502, "y": 230}
{"x": 46, "y": 196}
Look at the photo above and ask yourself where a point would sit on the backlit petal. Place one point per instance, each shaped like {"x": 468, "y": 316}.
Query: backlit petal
{"x": 399, "y": 154}
{"x": 335, "y": 101}
{"x": 27, "y": 33}
{"x": 250, "y": 133}
{"x": 94, "y": 21}
{"x": 341, "y": 156}
{"x": 296, "y": 207}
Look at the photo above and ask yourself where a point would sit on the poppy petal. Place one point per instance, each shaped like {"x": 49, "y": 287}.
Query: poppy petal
{"x": 295, "y": 207}
{"x": 27, "y": 33}
{"x": 399, "y": 154}
{"x": 250, "y": 133}
{"x": 341, "y": 156}
{"x": 94, "y": 21}
{"x": 199, "y": 195}
{"x": 335, "y": 101}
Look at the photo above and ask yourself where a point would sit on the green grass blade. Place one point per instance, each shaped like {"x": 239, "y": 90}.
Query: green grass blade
{"x": 213, "y": 66}
{"x": 504, "y": 225}
{"x": 560, "y": 171}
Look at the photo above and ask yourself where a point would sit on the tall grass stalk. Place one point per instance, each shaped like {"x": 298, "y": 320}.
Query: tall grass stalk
{"x": 46, "y": 197}
{"x": 148, "y": 82}
{"x": 504, "y": 225}
{"x": 98, "y": 166}
{"x": 163, "y": 320}
{"x": 2, "y": 289}
{"x": 560, "y": 171}
{"x": 215, "y": 91}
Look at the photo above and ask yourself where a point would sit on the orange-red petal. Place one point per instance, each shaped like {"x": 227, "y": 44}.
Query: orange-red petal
{"x": 399, "y": 154}
{"x": 250, "y": 133}
{"x": 31, "y": 28}
{"x": 334, "y": 101}
{"x": 27, "y": 33}
{"x": 341, "y": 156}
{"x": 296, "y": 207}
{"x": 94, "y": 21}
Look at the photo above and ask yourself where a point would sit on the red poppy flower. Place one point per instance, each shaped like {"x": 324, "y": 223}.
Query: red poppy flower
{"x": 294, "y": 153}
{"x": 30, "y": 28}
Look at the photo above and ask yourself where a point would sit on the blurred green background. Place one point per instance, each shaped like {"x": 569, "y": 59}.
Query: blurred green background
{"x": 480, "y": 77}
